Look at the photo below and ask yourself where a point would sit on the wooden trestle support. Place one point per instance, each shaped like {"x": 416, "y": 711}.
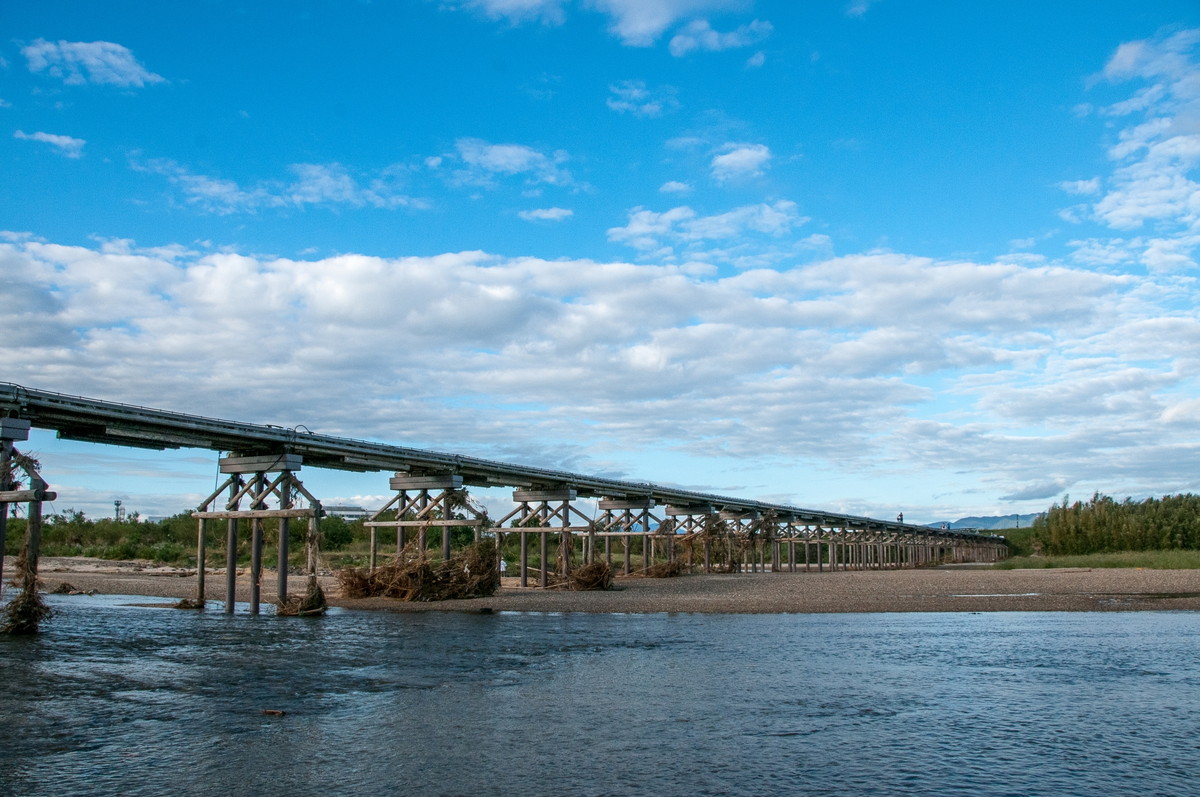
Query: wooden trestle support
{"x": 543, "y": 513}
{"x": 422, "y": 503}
{"x": 260, "y": 480}
{"x": 630, "y": 519}
{"x": 13, "y": 430}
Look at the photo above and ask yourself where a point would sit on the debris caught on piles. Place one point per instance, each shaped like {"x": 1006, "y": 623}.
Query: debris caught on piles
{"x": 596, "y": 576}
{"x": 188, "y": 603}
{"x": 670, "y": 569}
{"x": 311, "y": 605}
{"x": 65, "y": 588}
{"x": 26, "y": 611}
{"x": 410, "y": 576}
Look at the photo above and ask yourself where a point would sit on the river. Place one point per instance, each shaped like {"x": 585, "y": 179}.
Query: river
{"x": 119, "y": 699}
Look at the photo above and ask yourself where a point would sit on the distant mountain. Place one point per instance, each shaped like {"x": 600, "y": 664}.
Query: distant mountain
{"x": 992, "y": 522}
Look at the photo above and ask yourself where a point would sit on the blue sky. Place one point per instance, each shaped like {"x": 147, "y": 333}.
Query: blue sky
{"x": 860, "y": 256}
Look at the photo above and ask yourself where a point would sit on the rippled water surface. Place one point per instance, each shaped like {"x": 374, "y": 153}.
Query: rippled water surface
{"x": 118, "y": 699}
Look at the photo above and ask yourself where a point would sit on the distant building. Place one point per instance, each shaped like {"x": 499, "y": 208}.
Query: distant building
{"x": 346, "y": 512}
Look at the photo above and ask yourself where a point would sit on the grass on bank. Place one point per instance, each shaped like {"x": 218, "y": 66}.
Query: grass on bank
{"x": 1150, "y": 560}
{"x": 1022, "y": 556}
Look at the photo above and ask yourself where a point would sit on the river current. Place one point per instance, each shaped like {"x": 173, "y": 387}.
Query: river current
{"x": 118, "y": 699}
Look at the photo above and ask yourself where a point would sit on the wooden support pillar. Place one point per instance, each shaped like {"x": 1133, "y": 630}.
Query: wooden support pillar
{"x": 373, "y": 550}
{"x": 544, "y": 552}
{"x": 401, "y": 535}
{"x": 566, "y": 548}
{"x": 33, "y": 532}
{"x": 445, "y": 543}
{"x": 285, "y": 528}
{"x": 201, "y": 547}
{"x": 231, "y": 544}
{"x": 5, "y": 464}
{"x": 256, "y": 546}
{"x": 626, "y": 542}
{"x": 524, "y": 537}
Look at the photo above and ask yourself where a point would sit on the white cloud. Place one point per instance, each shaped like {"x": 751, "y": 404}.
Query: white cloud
{"x": 546, "y": 214}
{"x": 66, "y": 145}
{"x": 698, "y": 35}
{"x": 640, "y": 22}
{"x": 312, "y": 184}
{"x": 674, "y": 187}
{"x": 756, "y": 60}
{"x": 483, "y": 161}
{"x": 878, "y": 359}
{"x": 740, "y": 161}
{"x": 632, "y": 96}
{"x": 859, "y": 8}
{"x": 1153, "y": 189}
{"x": 549, "y": 12}
{"x": 79, "y": 63}
{"x": 1081, "y": 187}
{"x": 742, "y": 229}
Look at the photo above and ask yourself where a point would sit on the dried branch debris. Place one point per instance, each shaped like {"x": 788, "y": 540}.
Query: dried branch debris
{"x": 472, "y": 573}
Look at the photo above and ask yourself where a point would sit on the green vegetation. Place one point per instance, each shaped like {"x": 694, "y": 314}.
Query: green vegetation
{"x": 1104, "y": 526}
{"x": 1149, "y": 560}
{"x": 1157, "y": 533}
{"x": 172, "y": 541}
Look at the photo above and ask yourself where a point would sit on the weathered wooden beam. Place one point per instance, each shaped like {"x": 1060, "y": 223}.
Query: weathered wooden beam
{"x": 267, "y": 463}
{"x": 607, "y": 504}
{"x": 689, "y": 509}
{"x": 235, "y": 514}
{"x": 534, "y": 496}
{"x": 418, "y": 523}
{"x": 14, "y": 429}
{"x": 449, "y": 481}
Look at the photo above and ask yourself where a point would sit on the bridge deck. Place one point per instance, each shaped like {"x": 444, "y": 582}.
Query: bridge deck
{"x": 94, "y": 420}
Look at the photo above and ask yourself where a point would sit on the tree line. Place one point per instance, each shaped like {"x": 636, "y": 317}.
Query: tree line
{"x": 1104, "y": 525}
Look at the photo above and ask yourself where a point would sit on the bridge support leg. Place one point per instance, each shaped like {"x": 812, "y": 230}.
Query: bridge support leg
{"x": 524, "y": 538}
{"x": 544, "y": 551}
{"x": 5, "y": 465}
{"x": 201, "y": 540}
{"x": 231, "y": 542}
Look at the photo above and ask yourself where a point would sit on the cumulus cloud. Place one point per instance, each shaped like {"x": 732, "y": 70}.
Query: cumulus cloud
{"x": 1081, "y": 187}
{"x": 640, "y": 22}
{"x": 698, "y": 35}
{"x": 739, "y": 161}
{"x": 483, "y": 161}
{"x": 637, "y": 23}
{"x": 546, "y": 214}
{"x": 674, "y": 187}
{"x": 79, "y": 63}
{"x": 313, "y": 184}
{"x": 878, "y": 358}
{"x": 741, "y": 229}
{"x": 859, "y": 8}
{"x": 66, "y": 145}
{"x": 549, "y": 12}
{"x": 632, "y": 96}
{"x": 1158, "y": 154}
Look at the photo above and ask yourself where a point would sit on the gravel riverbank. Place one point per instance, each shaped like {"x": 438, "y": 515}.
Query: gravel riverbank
{"x": 926, "y": 590}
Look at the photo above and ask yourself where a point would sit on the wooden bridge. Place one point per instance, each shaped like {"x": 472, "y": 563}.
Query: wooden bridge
{"x": 262, "y": 462}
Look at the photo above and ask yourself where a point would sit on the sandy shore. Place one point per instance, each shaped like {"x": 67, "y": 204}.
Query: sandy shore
{"x": 927, "y": 590}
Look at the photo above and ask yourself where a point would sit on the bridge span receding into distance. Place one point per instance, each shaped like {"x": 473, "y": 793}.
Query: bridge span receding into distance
{"x": 261, "y": 461}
